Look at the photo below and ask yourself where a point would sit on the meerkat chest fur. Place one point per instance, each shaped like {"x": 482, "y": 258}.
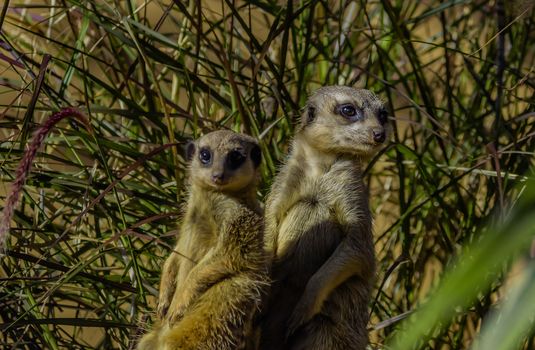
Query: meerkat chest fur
{"x": 332, "y": 181}
{"x": 199, "y": 230}
{"x": 206, "y": 213}
{"x": 314, "y": 211}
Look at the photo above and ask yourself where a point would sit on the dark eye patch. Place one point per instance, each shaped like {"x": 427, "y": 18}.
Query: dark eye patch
{"x": 350, "y": 112}
{"x": 256, "y": 155}
{"x": 235, "y": 159}
{"x": 383, "y": 116}
{"x": 205, "y": 156}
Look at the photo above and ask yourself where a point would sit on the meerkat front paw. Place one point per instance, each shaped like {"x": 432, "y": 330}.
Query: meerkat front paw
{"x": 161, "y": 310}
{"x": 303, "y": 312}
{"x": 180, "y": 304}
{"x": 175, "y": 314}
{"x": 164, "y": 302}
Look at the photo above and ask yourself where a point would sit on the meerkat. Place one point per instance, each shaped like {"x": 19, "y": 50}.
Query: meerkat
{"x": 213, "y": 282}
{"x": 319, "y": 227}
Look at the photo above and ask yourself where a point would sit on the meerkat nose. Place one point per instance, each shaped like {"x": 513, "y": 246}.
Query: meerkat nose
{"x": 217, "y": 177}
{"x": 379, "y": 136}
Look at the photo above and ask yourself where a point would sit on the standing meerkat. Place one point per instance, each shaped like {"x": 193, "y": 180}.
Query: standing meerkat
{"x": 213, "y": 282}
{"x": 318, "y": 226}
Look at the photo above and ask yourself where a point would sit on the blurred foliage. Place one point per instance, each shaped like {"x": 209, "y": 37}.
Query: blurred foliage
{"x": 99, "y": 212}
{"x": 475, "y": 273}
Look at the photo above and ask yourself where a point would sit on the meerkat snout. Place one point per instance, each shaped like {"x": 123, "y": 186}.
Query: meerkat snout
{"x": 379, "y": 136}
{"x": 217, "y": 178}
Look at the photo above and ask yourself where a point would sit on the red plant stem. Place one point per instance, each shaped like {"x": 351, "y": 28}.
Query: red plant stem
{"x": 26, "y": 162}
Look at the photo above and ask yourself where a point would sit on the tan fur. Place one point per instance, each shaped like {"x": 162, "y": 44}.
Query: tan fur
{"x": 318, "y": 228}
{"x": 213, "y": 282}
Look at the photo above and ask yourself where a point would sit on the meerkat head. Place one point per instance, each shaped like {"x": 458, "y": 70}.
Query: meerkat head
{"x": 345, "y": 120}
{"x": 224, "y": 161}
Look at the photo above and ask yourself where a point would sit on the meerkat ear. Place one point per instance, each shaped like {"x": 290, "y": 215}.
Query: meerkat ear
{"x": 256, "y": 155}
{"x": 190, "y": 151}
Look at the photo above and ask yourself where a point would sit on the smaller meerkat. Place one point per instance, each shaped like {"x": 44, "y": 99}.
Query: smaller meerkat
{"x": 319, "y": 227}
{"x": 213, "y": 283}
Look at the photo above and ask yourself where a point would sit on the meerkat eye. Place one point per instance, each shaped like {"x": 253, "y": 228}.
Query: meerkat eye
{"x": 235, "y": 159}
{"x": 383, "y": 116}
{"x": 350, "y": 112}
{"x": 205, "y": 156}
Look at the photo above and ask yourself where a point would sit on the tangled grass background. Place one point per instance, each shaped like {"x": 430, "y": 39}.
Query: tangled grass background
{"x": 451, "y": 195}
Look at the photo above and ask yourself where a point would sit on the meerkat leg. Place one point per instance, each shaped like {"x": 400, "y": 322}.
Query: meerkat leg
{"x": 233, "y": 254}
{"x": 276, "y": 314}
{"x": 210, "y": 271}
{"x": 324, "y": 334}
{"x": 151, "y": 340}
{"x": 220, "y": 319}
{"x": 148, "y": 342}
{"x": 167, "y": 284}
{"x": 344, "y": 263}
{"x": 341, "y": 325}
